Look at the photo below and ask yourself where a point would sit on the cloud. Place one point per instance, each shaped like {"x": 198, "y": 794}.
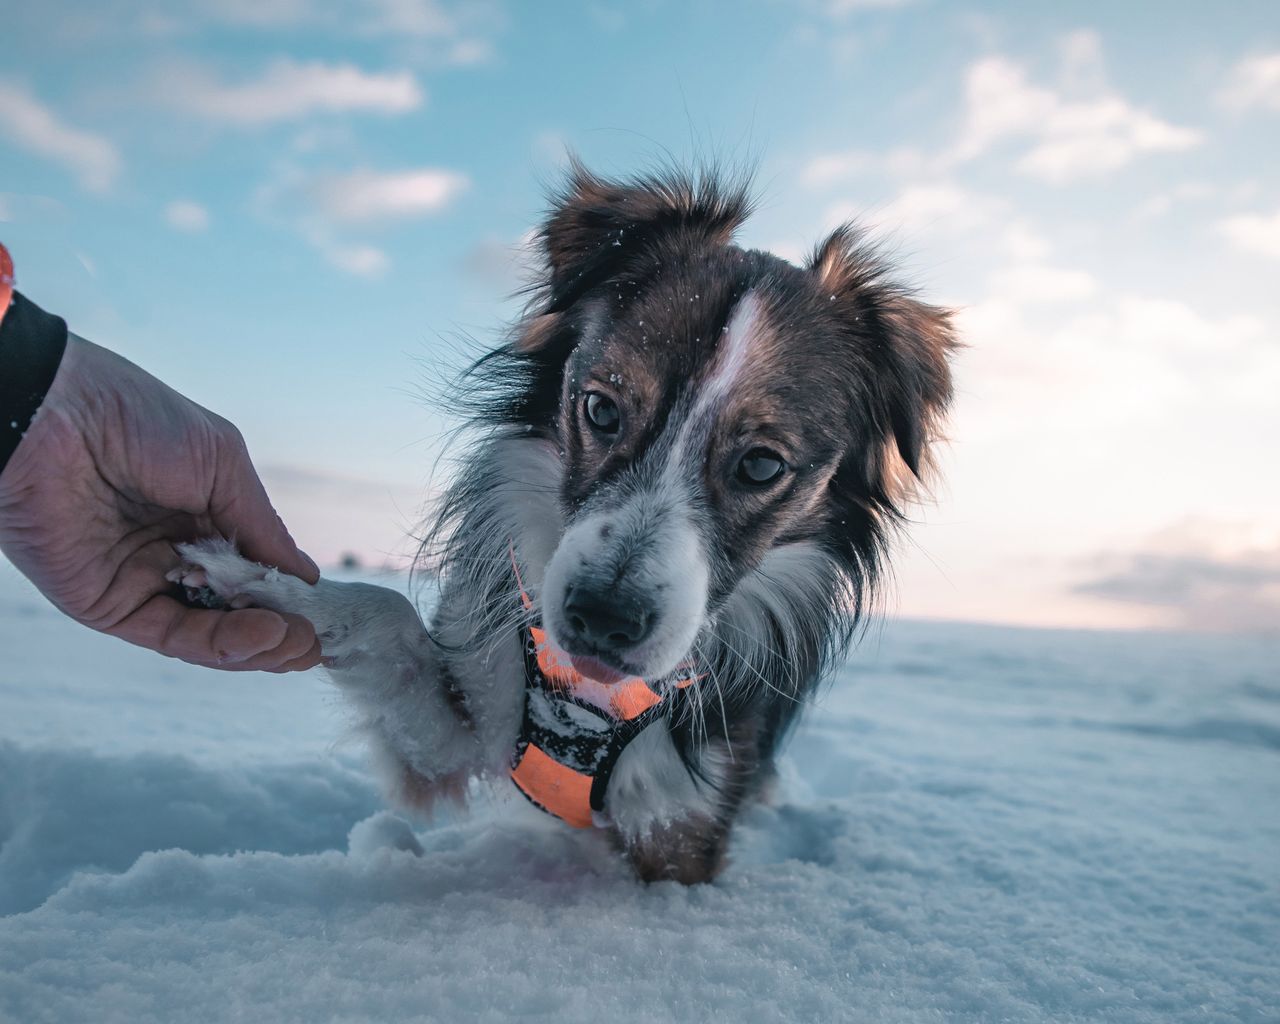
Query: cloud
{"x": 357, "y": 258}
{"x": 1029, "y": 283}
{"x": 369, "y": 196}
{"x": 1162, "y": 202}
{"x": 185, "y": 215}
{"x": 1254, "y": 83}
{"x": 1069, "y": 139}
{"x": 401, "y": 19}
{"x": 1255, "y": 233}
{"x": 423, "y": 18}
{"x": 1080, "y": 56}
{"x": 1205, "y": 593}
{"x": 829, "y": 167}
{"x": 1198, "y": 580}
{"x": 433, "y": 33}
{"x": 923, "y": 206}
{"x": 1077, "y": 129}
{"x": 507, "y": 265}
{"x": 464, "y": 53}
{"x": 1048, "y": 345}
{"x": 30, "y": 125}
{"x": 289, "y": 90}
{"x": 257, "y": 13}
{"x": 325, "y": 210}
{"x": 903, "y": 161}
{"x": 1023, "y": 243}
{"x": 844, "y": 8}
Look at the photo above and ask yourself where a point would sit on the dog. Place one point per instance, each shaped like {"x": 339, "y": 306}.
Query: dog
{"x": 685, "y": 471}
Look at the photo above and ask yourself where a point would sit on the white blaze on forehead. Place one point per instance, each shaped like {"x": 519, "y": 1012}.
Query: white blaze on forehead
{"x": 732, "y": 356}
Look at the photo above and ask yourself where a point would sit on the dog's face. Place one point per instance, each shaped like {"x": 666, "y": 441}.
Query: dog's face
{"x": 714, "y": 405}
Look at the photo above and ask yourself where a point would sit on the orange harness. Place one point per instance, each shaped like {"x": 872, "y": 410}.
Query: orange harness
{"x": 575, "y": 728}
{"x": 6, "y": 281}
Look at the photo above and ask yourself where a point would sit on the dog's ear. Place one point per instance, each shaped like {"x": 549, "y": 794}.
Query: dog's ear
{"x": 909, "y": 346}
{"x": 597, "y": 226}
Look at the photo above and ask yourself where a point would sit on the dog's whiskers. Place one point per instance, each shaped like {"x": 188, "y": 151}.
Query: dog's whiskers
{"x": 747, "y": 663}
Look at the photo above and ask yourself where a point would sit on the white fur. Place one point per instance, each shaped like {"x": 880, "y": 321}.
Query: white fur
{"x": 518, "y": 510}
{"x": 790, "y": 580}
{"x": 525, "y": 476}
{"x": 651, "y": 787}
{"x": 791, "y": 584}
{"x": 732, "y": 357}
{"x": 376, "y": 649}
{"x": 675, "y": 566}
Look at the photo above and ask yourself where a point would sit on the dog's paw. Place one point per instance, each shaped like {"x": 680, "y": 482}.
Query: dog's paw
{"x": 352, "y": 620}
{"x": 214, "y": 574}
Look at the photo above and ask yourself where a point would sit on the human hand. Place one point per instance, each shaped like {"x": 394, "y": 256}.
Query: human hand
{"x": 114, "y": 469}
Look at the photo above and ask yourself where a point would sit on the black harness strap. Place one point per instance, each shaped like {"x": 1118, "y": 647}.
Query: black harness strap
{"x": 563, "y": 726}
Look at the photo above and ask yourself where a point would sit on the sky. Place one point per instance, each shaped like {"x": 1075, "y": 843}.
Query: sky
{"x": 303, "y": 214}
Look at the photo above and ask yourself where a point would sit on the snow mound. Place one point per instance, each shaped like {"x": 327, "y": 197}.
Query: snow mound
{"x": 63, "y": 812}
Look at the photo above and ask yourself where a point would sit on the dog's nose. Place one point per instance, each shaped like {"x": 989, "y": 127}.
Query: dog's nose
{"x": 607, "y": 621}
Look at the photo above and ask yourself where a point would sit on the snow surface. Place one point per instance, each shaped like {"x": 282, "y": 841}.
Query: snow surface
{"x": 977, "y": 824}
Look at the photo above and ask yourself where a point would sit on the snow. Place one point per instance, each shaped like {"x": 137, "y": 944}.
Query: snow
{"x": 977, "y": 824}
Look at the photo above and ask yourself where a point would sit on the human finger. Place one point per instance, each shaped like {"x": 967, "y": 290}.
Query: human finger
{"x": 242, "y": 639}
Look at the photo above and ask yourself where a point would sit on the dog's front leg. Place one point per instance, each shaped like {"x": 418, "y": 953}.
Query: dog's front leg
{"x": 672, "y": 814}
{"x": 380, "y": 655}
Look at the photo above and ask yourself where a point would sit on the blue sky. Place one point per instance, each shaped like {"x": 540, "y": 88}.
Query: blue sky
{"x": 292, "y": 211}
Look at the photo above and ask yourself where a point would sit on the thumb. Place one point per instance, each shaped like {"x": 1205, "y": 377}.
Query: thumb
{"x": 241, "y": 510}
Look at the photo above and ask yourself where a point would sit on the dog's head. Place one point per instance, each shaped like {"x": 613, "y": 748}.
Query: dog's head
{"x": 711, "y": 405}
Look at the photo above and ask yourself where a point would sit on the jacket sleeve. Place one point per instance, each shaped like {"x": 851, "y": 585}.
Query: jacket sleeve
{"x": 31, "y": 346}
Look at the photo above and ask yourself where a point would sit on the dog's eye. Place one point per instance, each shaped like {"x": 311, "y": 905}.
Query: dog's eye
{"x": 760, "y": 466}
{"x": 602, "y": 412}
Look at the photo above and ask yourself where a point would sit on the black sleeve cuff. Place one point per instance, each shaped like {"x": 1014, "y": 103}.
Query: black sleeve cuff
{"x": 31, "y": 346}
